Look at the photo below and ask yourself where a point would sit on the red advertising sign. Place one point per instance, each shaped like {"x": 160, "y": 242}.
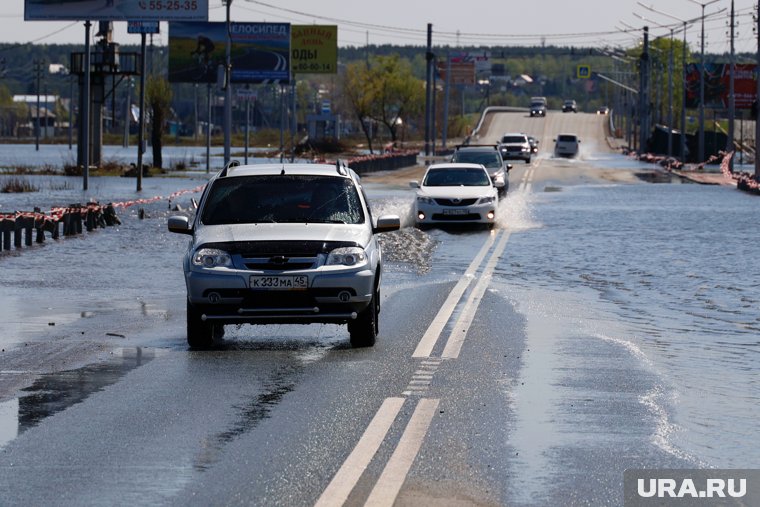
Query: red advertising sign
{"x": 717, "y": 85}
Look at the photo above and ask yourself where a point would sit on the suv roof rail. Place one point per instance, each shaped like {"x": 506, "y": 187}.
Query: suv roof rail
{"x": 494, "y": 146}
{"x": 229, "y": 165}
{"x": 341, "y": 167}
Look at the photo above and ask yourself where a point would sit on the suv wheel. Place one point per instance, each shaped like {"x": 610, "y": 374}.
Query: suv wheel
{"x": 200, "y": 334}
{"x": 364, "y": 329}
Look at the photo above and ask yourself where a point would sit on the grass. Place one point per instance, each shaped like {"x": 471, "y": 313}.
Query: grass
{"x": 17, "y": 186}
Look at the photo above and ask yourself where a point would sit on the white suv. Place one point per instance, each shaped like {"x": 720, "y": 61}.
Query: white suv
{"x": 278, "y": 243}
{"x": 566, "y": 145}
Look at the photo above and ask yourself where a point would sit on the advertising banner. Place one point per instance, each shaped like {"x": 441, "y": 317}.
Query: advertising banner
{"x": 717, "y": 85}
{"x": 260, "y": 52}
{"x": 314, "y": 49}
{"x": 116, "y": 10}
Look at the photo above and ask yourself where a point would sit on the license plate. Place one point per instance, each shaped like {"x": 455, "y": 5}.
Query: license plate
{"x": 279, "y": 282}
{"x": 455, "y": 212}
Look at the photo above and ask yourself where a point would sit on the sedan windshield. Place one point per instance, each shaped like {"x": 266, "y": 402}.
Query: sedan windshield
{"x": 282, "y": 199}
{"x": 489, "y": 159}
{"x": 451, "y": 177}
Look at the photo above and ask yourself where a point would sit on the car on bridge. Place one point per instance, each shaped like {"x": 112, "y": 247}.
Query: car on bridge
{"x": 515, "y": 146}
{"x": 569, "y": 106}
{"x": 489, "y": 156}
{"x": 538, "y": 109}
{"x": 283, "y": 243}
{"x": 566, "y": 145}
{"x": 455, "y": 193}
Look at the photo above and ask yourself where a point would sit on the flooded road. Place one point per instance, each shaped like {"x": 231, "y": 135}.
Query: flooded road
{"x": 604, "y": 324}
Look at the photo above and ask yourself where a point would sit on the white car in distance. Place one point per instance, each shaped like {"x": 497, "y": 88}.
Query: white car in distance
{"x": 455, "y": 194}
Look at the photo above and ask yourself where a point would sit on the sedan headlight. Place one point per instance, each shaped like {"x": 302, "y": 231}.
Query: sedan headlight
{"x": 346, "y": 256}
{"x": 425, "y": 200}
{"x": 485, "y": 200}
{"x": 212, "y": 258}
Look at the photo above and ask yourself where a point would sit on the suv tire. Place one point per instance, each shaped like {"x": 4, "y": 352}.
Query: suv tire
{"x": 200, "y": 334}
{"x": 364, "y": 329}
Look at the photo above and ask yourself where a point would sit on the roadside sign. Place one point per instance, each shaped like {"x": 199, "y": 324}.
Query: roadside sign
{"x": 260, "y": 52}
{"x": 462, "y": 73}
{"x": 584, "y": 71}
{"x": 246, "y": 94}
{"x": 314, "y": 49}
{"x": 143, "y": 27}
{"x": 116, "y": 10}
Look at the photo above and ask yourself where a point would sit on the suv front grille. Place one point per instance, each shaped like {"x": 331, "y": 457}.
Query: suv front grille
{"x": 266, "y": 249}
{"x": 282, "y": 264}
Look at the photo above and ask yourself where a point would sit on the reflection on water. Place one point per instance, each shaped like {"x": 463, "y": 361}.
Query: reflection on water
{"x": 55, "y": 392}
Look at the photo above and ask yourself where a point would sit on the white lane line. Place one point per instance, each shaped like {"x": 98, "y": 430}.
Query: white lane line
{"x": 429, "y": 339}
{"x": 394, "y": 474}
{"x": 344, "y": 481}
{"x": 459, "y": 331}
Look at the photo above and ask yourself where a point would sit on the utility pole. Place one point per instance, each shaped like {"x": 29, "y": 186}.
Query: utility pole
{"x": 428, "y": 83}
{"x": 644, "y": 94}
{"x": 757, "y": 115}
{"x": 731, "y": 97}
{"x": 141, "y": 119}
{"x": 228, "y": 89}
{"x": 84, "y": 117}
{"x": 702, "y": 84}
{"x": 38, "y": 75}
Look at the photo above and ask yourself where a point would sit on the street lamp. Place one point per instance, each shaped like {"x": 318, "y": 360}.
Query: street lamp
{"x": 670, "y": 84}
{"x": 702, "y": 83}
{"x": 683, "y": 74}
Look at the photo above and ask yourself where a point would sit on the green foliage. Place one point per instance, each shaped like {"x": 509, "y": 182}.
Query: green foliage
{"x": 386, "y": 91}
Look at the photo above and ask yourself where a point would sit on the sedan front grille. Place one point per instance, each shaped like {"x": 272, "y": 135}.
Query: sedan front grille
{"x": 453, "y": 202}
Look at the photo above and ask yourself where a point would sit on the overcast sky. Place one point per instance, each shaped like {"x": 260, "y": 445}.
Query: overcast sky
{"x": 596, "y": 23}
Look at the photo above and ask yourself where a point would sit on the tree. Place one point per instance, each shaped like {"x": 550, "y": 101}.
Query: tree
{"x": 356, "y": 90}
{"x": 394, "y": 91}
{"x": 158, "y": 95}
{"x": 384, "y": 91}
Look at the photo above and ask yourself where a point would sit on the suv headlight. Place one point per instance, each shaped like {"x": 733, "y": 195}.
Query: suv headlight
{"x": 346, "y": 256}
{"x": 485, "y": 200}
{"x": 212, "y": 258}
{"x": 425, "y": 200}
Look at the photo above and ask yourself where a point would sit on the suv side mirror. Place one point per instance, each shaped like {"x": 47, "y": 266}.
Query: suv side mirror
{"x": 508, "y": 166}
{"x": 180, "y": 225}
{"x": 414, "y": 184}
{"x": 387, "y": 223}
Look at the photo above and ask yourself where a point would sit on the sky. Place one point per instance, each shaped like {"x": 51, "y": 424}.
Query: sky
{"x": 594, "y": 23}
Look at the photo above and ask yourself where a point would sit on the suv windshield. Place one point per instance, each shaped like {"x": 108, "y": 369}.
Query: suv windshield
{"x": 451, "y": 177}
{"x": 490, "y": 158}
{"x": 566, "y": 139}
{"x": 283, "y": 199}
{"x": 514, "y": 139}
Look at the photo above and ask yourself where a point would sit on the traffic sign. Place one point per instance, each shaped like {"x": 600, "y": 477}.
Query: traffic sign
{"x": 143, "y": 27}
{"x": 584, "y": 71}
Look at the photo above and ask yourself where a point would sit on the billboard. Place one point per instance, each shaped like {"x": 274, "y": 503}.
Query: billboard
{"x": 462, "y": 73}
{"x": 260, "y": 52}
{"x": 314, "y": 49}
{"x": 116, "y": 10}
{"x": 717, "y": 76}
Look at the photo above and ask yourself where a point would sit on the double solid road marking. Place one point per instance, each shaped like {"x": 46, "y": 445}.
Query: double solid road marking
{"x": 392, "y": 478}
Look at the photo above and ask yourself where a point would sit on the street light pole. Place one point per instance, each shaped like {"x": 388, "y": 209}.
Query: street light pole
{"x": 683, "y": 75}
{"x": 702, "y": 83}
{"x": 228, "y": 89}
